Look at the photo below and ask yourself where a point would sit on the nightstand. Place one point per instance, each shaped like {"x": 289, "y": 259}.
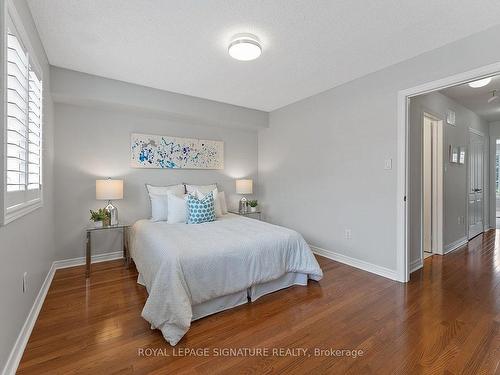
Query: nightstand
{"x": 253, "y": 215}
{"x": 90, "y": 229}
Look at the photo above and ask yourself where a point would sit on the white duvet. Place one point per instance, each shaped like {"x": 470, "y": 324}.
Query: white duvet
{"x": 182, "y": 265}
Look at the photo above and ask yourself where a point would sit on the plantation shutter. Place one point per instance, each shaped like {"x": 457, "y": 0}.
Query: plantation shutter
{"x": 34, "y": 131}
{"x": 24, "y": 126}
{"x": 17, "y": 114}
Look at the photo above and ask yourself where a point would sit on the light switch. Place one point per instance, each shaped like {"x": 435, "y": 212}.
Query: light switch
{"x": 388, "y": 164}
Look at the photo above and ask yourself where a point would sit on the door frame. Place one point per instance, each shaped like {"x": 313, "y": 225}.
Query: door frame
{"x": 402, "y": 258}
{"x": 437, "y": 187}
{"x": 480, "y": 134}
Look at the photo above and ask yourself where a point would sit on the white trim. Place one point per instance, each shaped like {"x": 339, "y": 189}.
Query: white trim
{"x": 15, "y": 212}
{"x": 416, "y": 265}
{"x": 438, "y": 200}
{"x": 22, "y": 339}
{"x": 455, "y": 245}
{"x": 402, "y": 239}
{"x": 402, "y": 176}
{"x": 437, "y": 185}
{"x": 353, "y": 262}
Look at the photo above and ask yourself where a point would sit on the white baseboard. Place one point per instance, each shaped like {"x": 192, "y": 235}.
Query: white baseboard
{"x": 455, "y": 245}
{"x": 81, "y": 261}
{"x": 416, "y": 264}
{"x": 22, "y": 339}
{"x": 17, "y": 351}
{"x": 361, "y": 264}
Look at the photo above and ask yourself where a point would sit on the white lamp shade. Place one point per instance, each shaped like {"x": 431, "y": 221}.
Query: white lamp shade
{"x": 244, "y": 187}
{"x": 108, "y": 189}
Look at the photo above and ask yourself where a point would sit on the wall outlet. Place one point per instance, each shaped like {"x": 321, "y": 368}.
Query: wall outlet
{"x": 347, "y": 234}
{"x": 25, "y": 282}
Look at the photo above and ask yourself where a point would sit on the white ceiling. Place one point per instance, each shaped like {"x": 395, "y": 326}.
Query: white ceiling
{"x": 476, "y": 99}
{"x": 309, "y": 46}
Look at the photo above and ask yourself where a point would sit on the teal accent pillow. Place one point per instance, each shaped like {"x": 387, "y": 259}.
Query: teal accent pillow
{"x": 200, "y": 210}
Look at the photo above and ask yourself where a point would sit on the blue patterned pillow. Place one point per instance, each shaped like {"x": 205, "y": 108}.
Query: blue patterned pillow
{"x": 200, "y": 210}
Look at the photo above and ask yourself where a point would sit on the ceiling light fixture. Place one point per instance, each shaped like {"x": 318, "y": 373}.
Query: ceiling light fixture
{"x": 245, "y": 47}
{"x": 493, "y": 97}
{"x": 480, "y": 82}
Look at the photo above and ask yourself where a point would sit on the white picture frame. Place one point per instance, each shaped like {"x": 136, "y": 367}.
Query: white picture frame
{"x": 166, "y": 152}
{"x": 461, "y": 156}
{"x": 451, "y": 117}
{"x": 454, "y": 154}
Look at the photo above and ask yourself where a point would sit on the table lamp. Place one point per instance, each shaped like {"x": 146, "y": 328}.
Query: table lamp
{"x": 244, "y": 187}
{"x": 109, "y": 190}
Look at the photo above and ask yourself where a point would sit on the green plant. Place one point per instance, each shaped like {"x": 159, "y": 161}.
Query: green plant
{"x": 253, "y": 203}
{"x": 99, "y": 215}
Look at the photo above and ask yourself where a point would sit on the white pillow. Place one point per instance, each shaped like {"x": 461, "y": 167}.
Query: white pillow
{"x": 204, "y": 189}
{"x": 159, "y": 207}
{"x": 177, "y": 207}
{"x": 178, "y": 190}
{"x": 221, "y": 197}
{"x": 215, "y": 193}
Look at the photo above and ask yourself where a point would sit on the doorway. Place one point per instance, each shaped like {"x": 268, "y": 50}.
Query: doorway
{"x": 405, "y": 204}
{"x": 432, "y": 184}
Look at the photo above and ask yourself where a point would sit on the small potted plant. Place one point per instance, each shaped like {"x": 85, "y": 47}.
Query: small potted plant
{"x": 99, "y": 217}
{"x": 253, "y": 205}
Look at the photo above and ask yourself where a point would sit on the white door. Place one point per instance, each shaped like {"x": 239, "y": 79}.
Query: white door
{"x": 476, "y": 201}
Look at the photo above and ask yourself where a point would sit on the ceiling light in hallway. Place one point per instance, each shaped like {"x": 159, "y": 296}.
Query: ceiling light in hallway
{"x": 480, "y": 82}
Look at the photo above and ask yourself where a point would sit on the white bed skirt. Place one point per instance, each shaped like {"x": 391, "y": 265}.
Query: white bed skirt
{"x": 285, "y": 281}
{"x": 219, "y": 304}
{"x": 253, "y": 293}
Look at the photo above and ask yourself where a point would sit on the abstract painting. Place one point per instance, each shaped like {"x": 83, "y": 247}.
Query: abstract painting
{"x": 158, "y": 151}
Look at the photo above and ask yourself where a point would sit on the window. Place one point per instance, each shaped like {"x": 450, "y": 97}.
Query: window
{"x": 23, "y": 146}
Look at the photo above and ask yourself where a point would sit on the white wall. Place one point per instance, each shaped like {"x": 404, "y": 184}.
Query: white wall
{"x": 27, "y": 244}
{"x": 455, "y": 175}
{"x": 93, "y": 141}
{"x": 321, "y": 161}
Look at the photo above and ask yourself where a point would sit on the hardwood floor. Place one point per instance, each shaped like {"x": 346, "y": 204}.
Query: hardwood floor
{"x": 445, "y": 320}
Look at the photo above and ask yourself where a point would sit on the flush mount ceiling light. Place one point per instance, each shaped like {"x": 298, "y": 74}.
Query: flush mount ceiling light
{"x": 480, "y": 83}
{"x": 245, "y": 47}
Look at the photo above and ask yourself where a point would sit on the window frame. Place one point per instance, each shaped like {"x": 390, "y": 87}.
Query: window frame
{"x": 9, "y": 214}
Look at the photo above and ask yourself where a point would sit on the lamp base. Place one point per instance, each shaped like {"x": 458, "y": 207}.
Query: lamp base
{"x": 113, "y": 213}
{"x": 243, "y": 206}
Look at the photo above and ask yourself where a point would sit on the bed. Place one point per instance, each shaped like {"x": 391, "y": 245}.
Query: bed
{"x": 191, "y": 271}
